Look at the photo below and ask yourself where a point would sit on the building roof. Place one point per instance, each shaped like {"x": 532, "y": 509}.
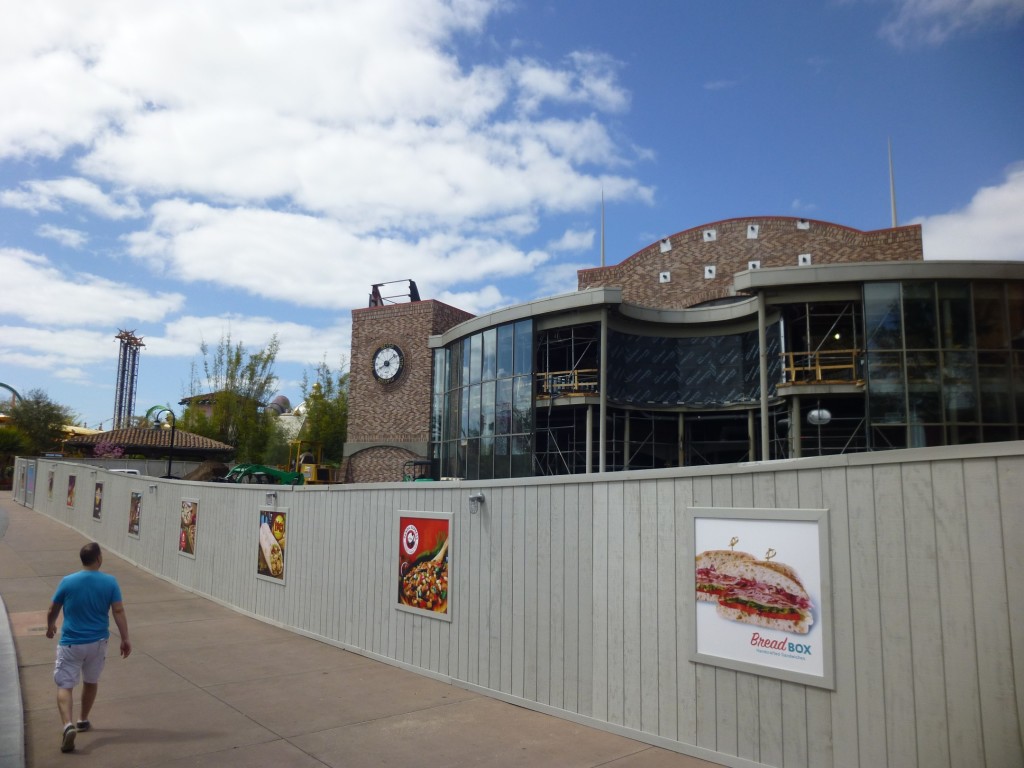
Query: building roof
{"x": 155, "y": 442}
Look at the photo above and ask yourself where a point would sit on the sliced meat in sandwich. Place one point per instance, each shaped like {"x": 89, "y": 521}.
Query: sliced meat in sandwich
{"x": 711, "y": 581}
{"x": 765, "y": 594}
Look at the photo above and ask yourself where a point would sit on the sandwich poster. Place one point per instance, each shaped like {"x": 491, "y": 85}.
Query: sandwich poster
{"x": 761, "y": 592}
{"x": 135, "y": 514}
{"x": 273, "y": 530}
{"x": 187, "y": 533}
{"x": 422, "y": 563}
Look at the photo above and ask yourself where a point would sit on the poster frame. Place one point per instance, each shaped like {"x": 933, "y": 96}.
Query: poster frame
{"x": 262, "y": 510}
{"x": 819, "y": 517}
{"x": 135, "y": 496}
{"x": 97, "y": 502}
{"x": 396, "y": 560}
{"x": 195, "y": 543}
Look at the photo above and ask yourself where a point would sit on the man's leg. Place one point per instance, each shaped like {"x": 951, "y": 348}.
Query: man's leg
{"x": 66, "y": 704}
{"x": 89, "y": 691}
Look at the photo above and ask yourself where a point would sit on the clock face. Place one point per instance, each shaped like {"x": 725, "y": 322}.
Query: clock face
{"x": 387, "y": 363}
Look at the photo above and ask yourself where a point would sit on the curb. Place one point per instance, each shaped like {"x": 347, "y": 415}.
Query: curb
{"x": 12, "y": 735}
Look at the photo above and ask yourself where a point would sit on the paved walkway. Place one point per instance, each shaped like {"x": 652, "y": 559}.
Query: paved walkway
{"x": 206, "y": 687}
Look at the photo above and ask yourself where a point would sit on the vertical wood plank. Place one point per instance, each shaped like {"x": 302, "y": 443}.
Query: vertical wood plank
{"x": 897, "y": 669}
{"x": 572, "y": 600}
{"x": 544, "y": 602}
{"x": 615, "y": 600}
{"x": 999, "y": 719}
{"x": 1011, "y": 501}
{"x": 586, "y": 595}
{"x": 599, "y": 577}
{"x": 647, "y": 649}
{"x": 531, "y": 591}
{"x": 671, "y": 563}
{"x": 632, "y": 606}
{"x": 686, "y": 671}
{"x": 559, "y": 604}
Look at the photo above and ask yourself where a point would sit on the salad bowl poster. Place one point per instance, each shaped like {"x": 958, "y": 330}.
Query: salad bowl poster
{"x": 188, "y": 528}
{"x": 272, "y": 538}
{"x": 422, "y": 563}
{"x": 762, "y": 592}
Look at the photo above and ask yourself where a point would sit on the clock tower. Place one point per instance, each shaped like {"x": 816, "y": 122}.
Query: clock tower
{"x": 390, "y": 380}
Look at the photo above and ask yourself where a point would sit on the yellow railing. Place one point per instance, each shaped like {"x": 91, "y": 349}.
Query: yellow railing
{"x": 829, "y": 366}
{"x": 576, "y": 383}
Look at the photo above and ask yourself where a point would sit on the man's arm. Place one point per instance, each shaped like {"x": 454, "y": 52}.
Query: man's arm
{"x": 121, "y": 619}
{"x": 51, "y": 619}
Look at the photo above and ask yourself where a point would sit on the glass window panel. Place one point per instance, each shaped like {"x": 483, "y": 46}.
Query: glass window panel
{"x": 486, "y": 471}
{"x": 955, "y": 315}
{"x": 487, "y": 390}
{"x": 475, "y": 356}
{"x": 999, "y": 434}
{"x": 464, "y": 414}
{"x": 522, "y": 456}
{"x": 503, "y": 407}
{"x": 1015, "y": 310}
{"x": 887, "y": 407}
{"x": 922, "y": 436}
{"x": 990, "y": 316}
{"x": 490, "y": 337}
{"x": 959, "y": 396}
{"x": 882, "y": 316}
{"x": 472, "y": 459}
{"x": 465, "y": 363}
{"x": 502, "y": 457}
{"x": 473, "y": 427}
{"x": 925, "y": 405}
{"x": 886, "y": 438}
{"x": 995, "y": 384}
{"x": 454, "y": 410}
{"x": 505, "y": 334}
{"x": 522, "y": 416}
{"x": 523, "y": 348}
{"x": 919, "y": 315}
{"x": 963, "y": 434}
{"x": 885, "y": 367}
{"x": 455, "y": 365}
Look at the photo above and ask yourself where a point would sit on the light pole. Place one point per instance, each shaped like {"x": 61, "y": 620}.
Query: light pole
{"x": 154, "y": 413}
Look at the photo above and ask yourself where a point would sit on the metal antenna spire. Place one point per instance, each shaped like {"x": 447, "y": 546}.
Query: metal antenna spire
{"x": 602, "y": 225}
{"x": 892, "y": 186}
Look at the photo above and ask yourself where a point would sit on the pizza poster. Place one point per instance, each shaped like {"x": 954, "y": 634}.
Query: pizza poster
{"x": 423, "y": 563}
{"x": 135, "y": 514}
{"x": 71, "y": 491}
{"x": 187, "y": 531}
{"x": 758, "y": 593}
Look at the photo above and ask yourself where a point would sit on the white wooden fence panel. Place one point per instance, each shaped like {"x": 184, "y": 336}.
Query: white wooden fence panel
{"x": 574, "y": 594}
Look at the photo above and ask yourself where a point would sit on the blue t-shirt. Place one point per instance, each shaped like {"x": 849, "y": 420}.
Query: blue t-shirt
{"x": 86, "y": 597}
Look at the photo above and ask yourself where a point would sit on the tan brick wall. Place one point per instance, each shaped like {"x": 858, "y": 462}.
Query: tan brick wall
{"x": 779, "y": 244}
{"x": 398, "y": 412}
{"x": 380, "y": 464}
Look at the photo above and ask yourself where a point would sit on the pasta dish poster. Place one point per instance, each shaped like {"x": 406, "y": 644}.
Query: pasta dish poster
{"x": 422, "y": 563}
{"x": 761, "y": 593}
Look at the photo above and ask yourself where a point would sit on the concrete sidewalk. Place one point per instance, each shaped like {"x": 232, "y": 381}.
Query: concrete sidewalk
{"x": 206, "y": 686}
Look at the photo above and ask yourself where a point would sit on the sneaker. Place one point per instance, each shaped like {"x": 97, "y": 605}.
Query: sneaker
{"x": 67, "y": 742}
{"x": 82, "y": 726}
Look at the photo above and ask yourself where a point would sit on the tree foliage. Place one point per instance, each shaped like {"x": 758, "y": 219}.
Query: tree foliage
{"x": 41, "y": 421}
{"x": 326, "y": 409}
{"x": 239, "y": 383}
{"x": 12, "y": 443}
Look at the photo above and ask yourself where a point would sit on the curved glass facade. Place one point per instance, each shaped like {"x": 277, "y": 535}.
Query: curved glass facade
{"x": 483, "y": 404}
{"x": 944, "y": 362}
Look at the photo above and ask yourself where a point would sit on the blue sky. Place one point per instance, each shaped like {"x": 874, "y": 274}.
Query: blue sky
{"x": 189, "y": 170}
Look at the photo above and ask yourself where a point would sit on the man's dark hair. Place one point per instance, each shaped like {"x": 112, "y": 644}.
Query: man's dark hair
{"x": 90, "y": 553}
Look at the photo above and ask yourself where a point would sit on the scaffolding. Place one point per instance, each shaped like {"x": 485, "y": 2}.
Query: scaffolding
{"x": 127, "y": 378}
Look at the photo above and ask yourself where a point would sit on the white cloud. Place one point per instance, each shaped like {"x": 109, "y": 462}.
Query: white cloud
{"x": 989, "y": 227}
{"x": 560, "y": 278}
{"x": 309, "y": 261}
{"x": 933, "y": 22}
{"x": 485, "y": 299}
{"x": 719, "y": 85}
{"x": 71, "y": 238}
{"x": 49, "y": 195}
{"x": 573, "y": 240}
{"x": 55, "y": 349}
{"x": 74, "y": 299}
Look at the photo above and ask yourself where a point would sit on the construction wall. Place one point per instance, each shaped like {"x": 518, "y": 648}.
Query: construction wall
{"x": 573, "y": 596}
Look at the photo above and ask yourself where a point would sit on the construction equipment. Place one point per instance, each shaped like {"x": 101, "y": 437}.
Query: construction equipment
{"x": 306, "y": 457}
{"x": 258, "y": 473}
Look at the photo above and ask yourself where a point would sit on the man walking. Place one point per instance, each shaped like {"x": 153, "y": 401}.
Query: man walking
{"x": 86, "y": 597}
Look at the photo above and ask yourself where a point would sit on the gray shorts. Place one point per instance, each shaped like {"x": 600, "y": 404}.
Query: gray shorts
{"x": 84, "y": 660}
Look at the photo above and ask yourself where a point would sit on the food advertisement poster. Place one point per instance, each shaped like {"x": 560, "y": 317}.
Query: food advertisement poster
{"x": 422, "y": 563}
{"x": 187, "y": 534}
{"x": 97, "y": 502}
{"x": 135, "y": 514}
{"x": 762, "y": 592}
{"x": 49, "y": 485}
{"x": 71, "y": 491}
{"x": 30, "y": 484}
{"x": 272, "y": 541}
